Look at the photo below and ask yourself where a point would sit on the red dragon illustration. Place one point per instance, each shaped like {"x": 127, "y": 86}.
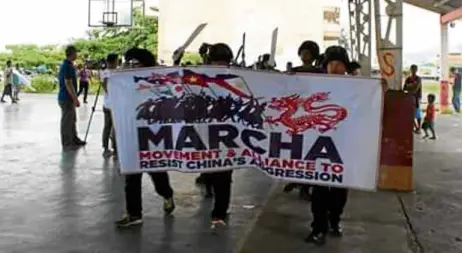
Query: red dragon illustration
{"x": 321, "y": 117}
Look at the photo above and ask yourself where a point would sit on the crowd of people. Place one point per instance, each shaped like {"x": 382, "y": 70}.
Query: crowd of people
{"x": 327, "y": 203}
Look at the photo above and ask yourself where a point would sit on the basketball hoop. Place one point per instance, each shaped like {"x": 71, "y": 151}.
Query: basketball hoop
{"x": 110, "y": 13}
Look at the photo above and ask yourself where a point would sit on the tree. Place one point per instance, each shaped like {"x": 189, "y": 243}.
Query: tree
{"x": 101, "y": 42}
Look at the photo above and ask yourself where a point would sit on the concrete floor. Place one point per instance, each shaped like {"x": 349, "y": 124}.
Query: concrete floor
{"x": 67, "y": 202}
{"x": 428, "y": 220}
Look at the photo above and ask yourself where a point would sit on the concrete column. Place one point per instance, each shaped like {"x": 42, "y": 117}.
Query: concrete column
{"x": 444, "y": 67}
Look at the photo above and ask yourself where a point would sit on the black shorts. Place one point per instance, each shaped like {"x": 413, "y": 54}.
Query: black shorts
{"x": 428, "y": 125}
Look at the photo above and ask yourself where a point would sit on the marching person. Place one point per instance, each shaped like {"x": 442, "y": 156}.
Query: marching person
{"x": 108, "y": 129}
{"x": 327, "y": 203}
{"x": 8, "y": 88}
{"x": 201, "y": 179}
{"x": 85, "y": 78}
{"x": 309, "y": 55}
{"x": 220, "y": 54}
{"x": 139, "y": 58}
{"x": 68, "y": 101}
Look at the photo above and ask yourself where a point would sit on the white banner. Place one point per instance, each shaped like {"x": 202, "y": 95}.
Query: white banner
{"x": 303, "y": 128}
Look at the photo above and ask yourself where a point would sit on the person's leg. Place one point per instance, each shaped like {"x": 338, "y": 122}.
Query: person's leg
{"x": 13, "y": 100}
{"x": 107, "y": 128}
{"x": 200, "y": 179}
{"x": 85, "y": 92}
{"x": 425, "y": 129}
{"x": 319, "y": 209}
{"x": 3, "y": 94}
{"x": 457, "y": 101}
{"x": 208, "y": 185}
{"x": 161, "y": 183}
{"x": 290, "y": 187}
{"x": 112, "y": 134}
{"x": 337, "y": 200}
{"x": 76, "y": 138}
{"x": 133, "y": 201}
{"x": 417, "y": 119}
{"x": 15, "y": 92}
{"x": 431, "y": 126}
{"x": 221, "y": 183}
{"x": 80, "y": 89}
{"x": 305, "y": 192}
{"x": 114, "y": 141}
{"x": 67, "y": 119}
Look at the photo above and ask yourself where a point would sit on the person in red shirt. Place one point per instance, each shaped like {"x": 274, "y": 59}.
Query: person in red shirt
{"x": 429, "y": 120}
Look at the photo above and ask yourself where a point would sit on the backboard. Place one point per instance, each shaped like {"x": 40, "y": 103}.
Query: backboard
{"x": 110, "y": 13}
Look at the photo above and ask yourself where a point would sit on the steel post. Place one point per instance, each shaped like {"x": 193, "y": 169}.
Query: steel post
{"x": 360, "y": 12}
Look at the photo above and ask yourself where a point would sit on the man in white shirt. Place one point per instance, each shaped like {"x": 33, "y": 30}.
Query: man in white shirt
{"x": 8, "y": 75}
{"x": 108, "y": 130}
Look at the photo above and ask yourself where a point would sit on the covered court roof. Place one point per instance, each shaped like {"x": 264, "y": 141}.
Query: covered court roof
{"x": 438, "y": 6}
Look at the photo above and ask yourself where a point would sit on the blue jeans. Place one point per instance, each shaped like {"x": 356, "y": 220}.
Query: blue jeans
{"x": 456, "y": 100}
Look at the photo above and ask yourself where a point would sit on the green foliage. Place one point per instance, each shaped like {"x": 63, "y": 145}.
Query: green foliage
{"x": 30, "y": 56}
{"x": 98, "y": 45}
{"x": 193, "y": 58}
{"x": 43, "y": 84}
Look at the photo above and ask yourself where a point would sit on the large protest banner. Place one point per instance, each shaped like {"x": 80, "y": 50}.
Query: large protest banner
{"x": 303, "y": 128}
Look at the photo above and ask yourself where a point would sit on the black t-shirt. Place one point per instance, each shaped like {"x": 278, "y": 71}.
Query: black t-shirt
{"x": 414, "y": 80}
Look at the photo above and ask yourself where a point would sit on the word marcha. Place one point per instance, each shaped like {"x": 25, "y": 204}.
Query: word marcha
{"x": 227, "y": 135}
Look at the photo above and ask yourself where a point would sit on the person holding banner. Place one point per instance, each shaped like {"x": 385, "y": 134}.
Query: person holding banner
{"x": 327, "y": 203}
{"x": 108, "y": 129}
{"x": 220, "y": 54}
{"x": 140, "y": 58}
{"x": 309, "y": 54}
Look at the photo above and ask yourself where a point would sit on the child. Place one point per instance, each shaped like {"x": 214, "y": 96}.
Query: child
{"x": 429, "y": 120}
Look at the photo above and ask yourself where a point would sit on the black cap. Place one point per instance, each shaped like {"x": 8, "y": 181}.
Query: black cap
{"x": 70, "y": 50}
{"x": 220, "y": 52}
{"x": 311, "y": 46}
{"x": 336, "y": 53}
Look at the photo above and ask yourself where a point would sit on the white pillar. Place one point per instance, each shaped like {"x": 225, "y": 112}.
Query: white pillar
{"x": 444, "y": 67}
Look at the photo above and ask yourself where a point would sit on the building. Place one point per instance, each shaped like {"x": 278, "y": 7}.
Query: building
{"x": 228, "y": 20}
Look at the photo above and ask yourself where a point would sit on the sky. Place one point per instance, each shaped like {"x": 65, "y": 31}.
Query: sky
{"x": 57, "y": 21}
